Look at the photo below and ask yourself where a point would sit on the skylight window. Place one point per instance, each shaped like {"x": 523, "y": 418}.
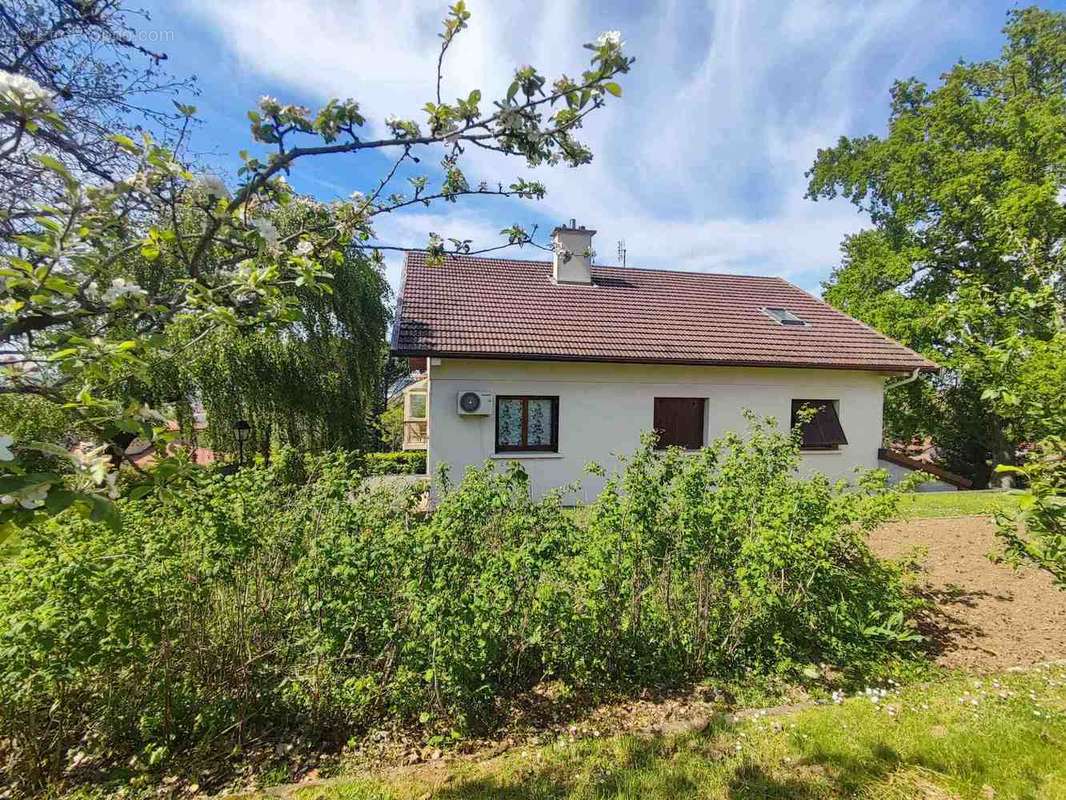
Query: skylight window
{"x": 783, "y": 316}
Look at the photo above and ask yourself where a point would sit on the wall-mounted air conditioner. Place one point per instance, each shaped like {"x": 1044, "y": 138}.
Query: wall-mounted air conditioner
{"x": 475, "y": 404}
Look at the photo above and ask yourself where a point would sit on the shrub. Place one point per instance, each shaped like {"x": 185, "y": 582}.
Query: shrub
{"x": 390, "y": 426}
{"x": 255, "y": 604}
{"x": 1036, "y": 533}
{"x": 401, "y": 462}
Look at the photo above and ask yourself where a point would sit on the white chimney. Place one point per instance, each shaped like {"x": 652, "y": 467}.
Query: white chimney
{"x": 573, "y": 254}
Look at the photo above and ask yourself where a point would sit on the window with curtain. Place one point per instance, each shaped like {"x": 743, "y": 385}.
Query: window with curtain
{"x": 526, "y": 423}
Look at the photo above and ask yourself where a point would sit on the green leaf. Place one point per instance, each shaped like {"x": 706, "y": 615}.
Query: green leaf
{"x": 102, "y": 510}
{"x": 125, "y": 142}
{"x": 15, "y": 483}
{"x": 184, "y": 109}
{"x": 59, "y": 499}
{"x": 55, "y": 165}
{"x": 613, "y": 88}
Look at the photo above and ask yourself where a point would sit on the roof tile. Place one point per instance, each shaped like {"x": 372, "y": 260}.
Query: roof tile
{"x": 486, "y": 307}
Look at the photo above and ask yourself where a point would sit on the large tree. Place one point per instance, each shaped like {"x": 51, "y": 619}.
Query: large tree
{"x": 314, "y": 383}
{"x": 108, "y": 279}
{"x": 965, "y": 192}
{"x": 87, "y": 59}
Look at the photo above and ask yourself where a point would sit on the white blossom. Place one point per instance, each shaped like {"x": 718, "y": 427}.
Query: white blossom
{"x": 212, "y": 185}
{"x": 18, "y": 89}
{"x": 267, "y": 231}
{"x": 93, "y": 462}
{"x": 304, "y": 248}
{"x": 612, "y": 38}
{"x": 121, "y": 288}
{"x": 5, "y": 448}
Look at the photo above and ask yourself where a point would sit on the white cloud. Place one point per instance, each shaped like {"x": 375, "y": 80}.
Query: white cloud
{"x": 699, "y": 166}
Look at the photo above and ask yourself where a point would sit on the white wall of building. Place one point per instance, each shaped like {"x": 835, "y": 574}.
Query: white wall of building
{"x": 603, "y": 408}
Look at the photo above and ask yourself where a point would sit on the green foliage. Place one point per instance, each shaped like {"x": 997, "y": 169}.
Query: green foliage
{"x": 257, "y": 604}
{"x": 965, "y": 255}
{"x": 390, "y": 427}
{"x": 1036, "y": 532}
{"x": 122, "y": 297}
{"x": 401, "y": 462}
{"x": 33, "y": 419}
{"x": 313, "y": 383}
{"x": 726, "y": 561}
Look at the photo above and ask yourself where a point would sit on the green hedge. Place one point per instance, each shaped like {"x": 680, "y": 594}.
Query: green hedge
{"x": 401, "y": 462}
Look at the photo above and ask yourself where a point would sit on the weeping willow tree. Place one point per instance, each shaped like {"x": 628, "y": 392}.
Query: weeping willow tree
{"x": 315, "y": 383}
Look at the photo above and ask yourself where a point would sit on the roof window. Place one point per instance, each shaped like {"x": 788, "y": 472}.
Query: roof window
{"x": 784, "y": 317}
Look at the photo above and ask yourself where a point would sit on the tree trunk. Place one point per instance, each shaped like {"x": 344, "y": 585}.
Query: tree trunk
{"x": 1003, "y": 453}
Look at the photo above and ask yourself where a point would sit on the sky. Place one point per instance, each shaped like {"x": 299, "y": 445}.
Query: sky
{"x": 698, "y": 166}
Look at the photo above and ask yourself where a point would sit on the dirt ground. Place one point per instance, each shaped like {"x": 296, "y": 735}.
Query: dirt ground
{"x": 987, "y": 616}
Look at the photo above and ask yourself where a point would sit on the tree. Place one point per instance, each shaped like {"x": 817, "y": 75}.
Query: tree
{"x": 87, "y": 61}
{"x": 313, "y": 384}
{"x": 78, "y": 321}
{"x": 967, "y": 181}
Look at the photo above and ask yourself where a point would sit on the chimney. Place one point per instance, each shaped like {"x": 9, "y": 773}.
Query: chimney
{"x": 573, "y": 254}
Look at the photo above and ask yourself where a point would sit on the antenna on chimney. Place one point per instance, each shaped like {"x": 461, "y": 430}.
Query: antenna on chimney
{"x": 622, "y": 251}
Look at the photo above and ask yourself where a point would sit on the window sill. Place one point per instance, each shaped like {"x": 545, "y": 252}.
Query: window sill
{"x": 514, "y": 456}
{"x": 817, "y": 451}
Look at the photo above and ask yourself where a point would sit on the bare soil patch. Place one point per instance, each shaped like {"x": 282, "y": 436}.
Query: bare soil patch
{"x": 987, "y": 616}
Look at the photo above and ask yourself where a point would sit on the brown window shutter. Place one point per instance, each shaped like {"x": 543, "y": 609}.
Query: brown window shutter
{"x": 823, "y": 431}
{"x": 679, "y": 422}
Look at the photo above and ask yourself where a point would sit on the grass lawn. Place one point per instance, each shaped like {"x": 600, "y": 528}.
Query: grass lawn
{"x": 955, "y": 504}
{"x": 994, "y": 737}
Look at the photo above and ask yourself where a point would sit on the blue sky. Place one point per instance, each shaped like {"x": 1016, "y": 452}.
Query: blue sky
{"x": 699, "y": 166}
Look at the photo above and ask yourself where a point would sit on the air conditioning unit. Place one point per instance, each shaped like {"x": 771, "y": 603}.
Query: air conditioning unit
{"x": 475, "y": 404}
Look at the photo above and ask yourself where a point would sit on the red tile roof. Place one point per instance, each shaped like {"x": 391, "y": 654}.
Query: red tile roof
{"x": 499, "y": 308}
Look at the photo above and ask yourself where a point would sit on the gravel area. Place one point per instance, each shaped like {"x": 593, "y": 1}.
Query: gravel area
{"x": 987, "y": 616}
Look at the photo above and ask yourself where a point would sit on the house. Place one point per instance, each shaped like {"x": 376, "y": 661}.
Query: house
{"x": 558, "y": 363}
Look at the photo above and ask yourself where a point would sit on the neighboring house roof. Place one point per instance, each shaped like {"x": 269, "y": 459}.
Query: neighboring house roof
{"x": 895, "y": 457}
{"x": 499, "y": 308}
{"x": 199, "y": 455}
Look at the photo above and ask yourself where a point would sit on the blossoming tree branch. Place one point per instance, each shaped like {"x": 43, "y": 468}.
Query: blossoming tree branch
{"x": 94, "y": 280}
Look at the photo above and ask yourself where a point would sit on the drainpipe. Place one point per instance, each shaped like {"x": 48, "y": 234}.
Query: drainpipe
{"x": 913, "y": 377}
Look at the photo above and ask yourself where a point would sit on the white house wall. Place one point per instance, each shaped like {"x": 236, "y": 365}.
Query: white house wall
{"x": 603, "y": 408}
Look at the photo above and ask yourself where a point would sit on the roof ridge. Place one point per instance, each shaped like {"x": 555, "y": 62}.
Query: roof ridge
{"x": 626, "y": 268}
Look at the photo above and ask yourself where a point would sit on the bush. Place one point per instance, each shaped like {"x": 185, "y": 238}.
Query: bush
{"x": 402, "y": 462}
{"x": 247, "y": 606}
{"x": 390, "y": 426}
{"x": 1036, "y": 533}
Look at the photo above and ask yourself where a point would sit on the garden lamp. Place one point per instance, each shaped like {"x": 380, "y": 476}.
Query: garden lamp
{"x": 243, "y": 431}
